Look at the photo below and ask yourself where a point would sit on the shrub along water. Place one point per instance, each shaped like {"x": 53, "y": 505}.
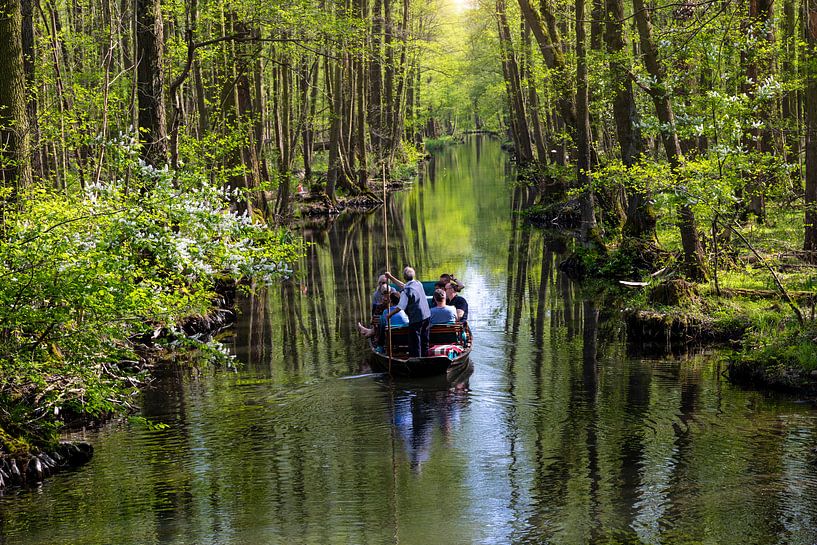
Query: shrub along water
{"x": 82, "y": 273}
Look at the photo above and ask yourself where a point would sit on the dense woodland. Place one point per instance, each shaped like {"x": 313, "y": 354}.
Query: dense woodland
{"x": 711, "y": 103}
{"x": 148, "y": 148}
{"x": 708, "y": 101}
{"x": 251, "y": 93}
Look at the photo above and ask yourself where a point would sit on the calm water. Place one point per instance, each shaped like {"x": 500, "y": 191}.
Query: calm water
{"x": 558, "y": 436}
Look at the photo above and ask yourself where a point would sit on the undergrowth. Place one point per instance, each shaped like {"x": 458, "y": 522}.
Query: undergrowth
{"x": 82, "y": 273}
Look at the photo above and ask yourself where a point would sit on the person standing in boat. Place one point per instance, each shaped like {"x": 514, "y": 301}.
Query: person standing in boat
{"x": 456, "y": 300}
{"x": 413, "y": 301}
{"x": 440, "y": 312}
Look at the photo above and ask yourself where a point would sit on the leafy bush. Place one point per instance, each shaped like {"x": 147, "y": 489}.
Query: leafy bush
{"x": 82, "y": 273}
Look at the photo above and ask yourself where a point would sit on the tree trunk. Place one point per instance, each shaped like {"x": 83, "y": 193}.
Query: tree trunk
{"x": 309, "y": 97}
{"x": 583, "y": 137}
{"x": 641, "y": 218}
{"x": 514, "y": 85}
{"x": 29, "y": 55}
{"x": 335, "y": 168}
{"x": 402, "y": 73}
{"x": 15, "y": 146}
{"x": 756, "y": 140}
{"x": 388, "y": 83}
{"x": 360, "y": 114}
{"x": 694, "y": 259}
{"x": 533, "y": 99}
{"x": 375, "y": 112}
{"x": 810, "y": 100}
{"x": 549, "y": 44}
{"x": 150, "y": 81}
{"x": 791, "y": 123}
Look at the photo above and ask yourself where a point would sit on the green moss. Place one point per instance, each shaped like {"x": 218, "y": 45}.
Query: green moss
{"x": 14, "y": 446}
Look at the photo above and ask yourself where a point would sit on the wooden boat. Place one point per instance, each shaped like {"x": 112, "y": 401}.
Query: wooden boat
{"x": 451, "y": 344}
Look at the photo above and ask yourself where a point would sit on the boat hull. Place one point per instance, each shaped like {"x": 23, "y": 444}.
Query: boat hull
{"x": 420, "y": 367}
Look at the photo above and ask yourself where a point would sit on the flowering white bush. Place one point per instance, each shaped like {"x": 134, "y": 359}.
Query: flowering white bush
{"x": 80, "y": 274}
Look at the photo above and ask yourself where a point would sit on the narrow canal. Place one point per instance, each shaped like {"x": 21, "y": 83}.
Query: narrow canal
{"x": 559, "y": 435}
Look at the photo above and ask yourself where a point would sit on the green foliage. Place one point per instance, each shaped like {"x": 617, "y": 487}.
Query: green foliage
{"x": 141, "y": 421}
{"x": 82, "y": 273}
{"x": 436, "y": 144}
{"x": 780, "y": 349}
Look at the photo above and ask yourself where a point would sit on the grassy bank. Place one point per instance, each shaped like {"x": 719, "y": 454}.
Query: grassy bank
{"x": 743, "y": 304}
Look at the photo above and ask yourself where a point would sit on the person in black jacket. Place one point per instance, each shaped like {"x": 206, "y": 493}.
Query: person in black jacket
{"x": 456, "y": 300}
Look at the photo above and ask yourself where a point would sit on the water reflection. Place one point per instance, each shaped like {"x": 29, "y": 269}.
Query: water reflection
{"x": 424, "y": 409}
{"x": 557, "y": 436}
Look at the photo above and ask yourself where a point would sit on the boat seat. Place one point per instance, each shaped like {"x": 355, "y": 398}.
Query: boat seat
{"x": 446, "y": 333}
{"x": 399, "y": 339}
{"x": 439, "y": 334}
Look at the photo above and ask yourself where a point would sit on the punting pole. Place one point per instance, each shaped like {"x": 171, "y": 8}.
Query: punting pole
{"x": 388, "y": 268}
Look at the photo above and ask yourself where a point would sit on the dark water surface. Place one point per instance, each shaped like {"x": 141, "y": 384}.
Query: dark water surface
{"x": 558, "y": 436}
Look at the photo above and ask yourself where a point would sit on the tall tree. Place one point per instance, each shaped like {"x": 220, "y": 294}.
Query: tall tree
{"x": 694, "y": 259}
{"x": 15, "y": 160}
{"x": 810, "y": 101}
{"x": 513, "y": 82}
{"x": 375, "y": 102}
{"x": 756, "y": 58}
{"x": 29, "y": 54}
{"x": 549, "y": 41}
{"x": 583, "y": 134}
{"x": 640, "y": 221}
{"x": 150, "y": 90}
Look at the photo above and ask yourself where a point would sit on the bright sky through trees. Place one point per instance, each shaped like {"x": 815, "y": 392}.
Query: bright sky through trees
{"x": 460, "y": 6}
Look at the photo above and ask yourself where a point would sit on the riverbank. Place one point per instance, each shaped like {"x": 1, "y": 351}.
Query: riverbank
{"x": 741, "y": 307}
{"x": 100, "y": 286}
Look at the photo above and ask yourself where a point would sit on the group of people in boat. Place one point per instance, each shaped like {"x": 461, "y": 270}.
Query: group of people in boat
{"x": 408, "y": 306}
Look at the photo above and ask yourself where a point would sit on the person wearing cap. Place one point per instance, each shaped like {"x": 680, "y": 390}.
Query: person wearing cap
{"x": 413, "y": 301}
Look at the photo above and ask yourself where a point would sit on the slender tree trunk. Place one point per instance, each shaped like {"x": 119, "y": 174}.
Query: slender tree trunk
{"x": 533, "y": 98}
{"x": 335, "y": 168}
{"x": 375, "y": 112}
{"x": 52, "y": 23}
{"x": 757, "y": 140}
{"x": 791, "y": 123}
{"x": 401, "y": 71}
{"x": 388, "y": 83}
{"x": 694, "y": 259}
{"x": 519, "y": 118}
{"x": 549, "y": 42}
{"x": 583, "y": 135}
{"x": 201, "y": 100}
{"x": 410, "y": 119}
{"x": 107, "y": 61}
{"x": 641, "y": 218}
{"x": 810, "y": 100}
{"x": 309, "y": 96}
{"x": 29, "y": 56}
{"x": 360, "y": 114}
{"x": 283, "y": 122}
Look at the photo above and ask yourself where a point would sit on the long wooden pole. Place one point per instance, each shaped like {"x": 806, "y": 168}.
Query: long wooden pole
{"x": 388, "y": 268}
